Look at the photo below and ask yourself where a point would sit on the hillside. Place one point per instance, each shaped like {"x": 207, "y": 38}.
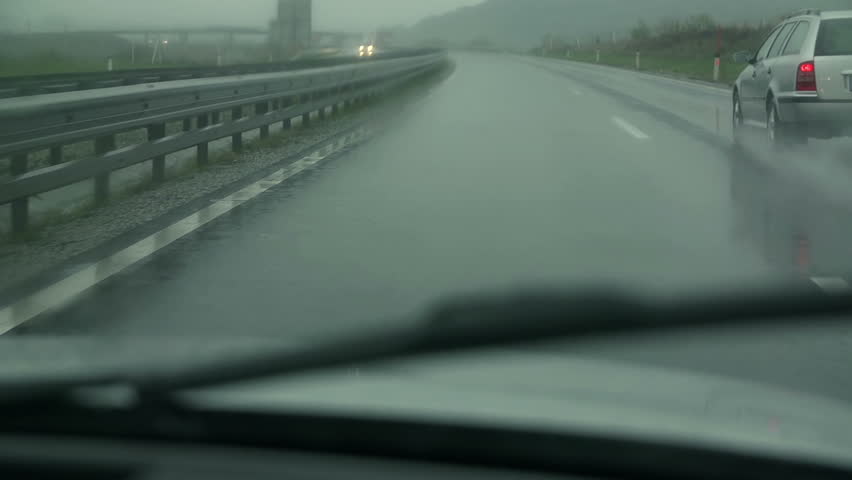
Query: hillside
{"x": 523, "y": 23}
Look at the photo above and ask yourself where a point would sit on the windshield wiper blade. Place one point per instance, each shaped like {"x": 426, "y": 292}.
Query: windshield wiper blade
{"x": 27, "y": 390}
{"x": 505, "y": 320}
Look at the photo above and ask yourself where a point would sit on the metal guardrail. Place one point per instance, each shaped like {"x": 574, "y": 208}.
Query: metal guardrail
{"x": 30, "y": 124}
{"x": 20, "y": 86}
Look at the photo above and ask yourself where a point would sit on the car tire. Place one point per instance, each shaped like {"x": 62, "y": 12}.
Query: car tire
{"x": 780, "y": 134}
{"x": 738, "y": 120}
{"x": 774, "y": 128}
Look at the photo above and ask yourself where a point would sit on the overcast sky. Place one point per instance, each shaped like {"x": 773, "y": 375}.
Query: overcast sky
{"x": 349, "y": 15}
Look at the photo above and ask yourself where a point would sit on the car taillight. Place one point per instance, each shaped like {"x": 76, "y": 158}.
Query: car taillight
{"x": 806, "y": 77}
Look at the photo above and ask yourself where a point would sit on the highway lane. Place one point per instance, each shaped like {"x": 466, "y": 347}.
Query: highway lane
{"x": 507, "y": 174}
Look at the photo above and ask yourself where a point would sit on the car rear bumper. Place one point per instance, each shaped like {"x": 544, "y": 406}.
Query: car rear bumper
{"x": 817, "y": 117}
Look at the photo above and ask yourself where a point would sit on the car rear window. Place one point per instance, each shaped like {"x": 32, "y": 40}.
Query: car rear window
{"x": 797, "y": 39}
{"x": 780, "y": 40}
{"x": 835, "y": 37}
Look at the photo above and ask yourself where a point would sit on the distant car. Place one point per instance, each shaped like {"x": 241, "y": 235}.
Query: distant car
{"x": 366, "y": 50}
{"x": 799, "y": 83}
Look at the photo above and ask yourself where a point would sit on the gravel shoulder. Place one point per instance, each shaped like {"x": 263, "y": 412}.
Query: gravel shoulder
{"x": 59, "y": 241}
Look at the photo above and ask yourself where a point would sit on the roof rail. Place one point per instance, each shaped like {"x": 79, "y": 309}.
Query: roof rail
{"x": 807, "y": 11}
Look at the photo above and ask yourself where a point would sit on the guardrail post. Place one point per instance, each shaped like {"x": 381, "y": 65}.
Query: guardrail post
{"x": 306, "y": 118}
{"x": 202, "y": 154}
{"x": 158, "y": 164}
{"x": 237, "y": 138}
{"x": 187, "y": 124}
{"x": 262, "y": 108}
{"x": 287, "y": 123}
{"x": 103, "y": 145}
{"x": 21, "y": 206}
{"x": 335, "y": 107}
{"x": 216, "y": 118}
{"x": 56, "y": 155}
{"x": 321, "y": 111}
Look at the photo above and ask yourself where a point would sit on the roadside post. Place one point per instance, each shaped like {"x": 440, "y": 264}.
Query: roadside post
{"x": 109, "y": 64}
{"x": 597, "y": 56}
{"x": 638, "y": 60}
{"x": 716, "y": 64}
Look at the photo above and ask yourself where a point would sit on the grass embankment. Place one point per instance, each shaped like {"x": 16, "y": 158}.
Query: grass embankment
{"x": 693, "y": 68}
{"x": 49, "y": 65}
{"x": 688, "y": 54}
{"x": 64, "y": 53}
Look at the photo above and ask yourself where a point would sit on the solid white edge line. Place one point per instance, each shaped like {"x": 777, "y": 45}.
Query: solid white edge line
{"x": 629, "y": 128}
{"x": 67, "y": 289}
{"x": 722, "y": 90}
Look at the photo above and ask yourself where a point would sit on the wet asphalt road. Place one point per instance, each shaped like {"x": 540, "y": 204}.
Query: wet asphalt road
{"x": 513, "y": 172}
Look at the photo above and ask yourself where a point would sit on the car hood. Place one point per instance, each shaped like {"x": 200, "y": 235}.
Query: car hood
{"x": 543, "y": 391}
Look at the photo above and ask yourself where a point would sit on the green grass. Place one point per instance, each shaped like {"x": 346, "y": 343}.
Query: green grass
{"x": 49, "y": 64}
{"x": 694, "y": 68}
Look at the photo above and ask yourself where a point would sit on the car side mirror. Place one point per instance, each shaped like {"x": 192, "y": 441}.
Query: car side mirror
{"x": 744, "y": 57}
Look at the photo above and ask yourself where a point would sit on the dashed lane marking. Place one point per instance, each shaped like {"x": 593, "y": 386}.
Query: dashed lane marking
{"x": 629, "y": 128}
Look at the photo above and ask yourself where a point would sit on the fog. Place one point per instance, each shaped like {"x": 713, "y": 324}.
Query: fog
{"x": 38, "y": 15}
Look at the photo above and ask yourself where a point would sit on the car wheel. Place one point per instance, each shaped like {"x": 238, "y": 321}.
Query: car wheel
{"x": 738, "y": 120}
{"x": 780, "y": 134}
{"x": 773, "y": 127}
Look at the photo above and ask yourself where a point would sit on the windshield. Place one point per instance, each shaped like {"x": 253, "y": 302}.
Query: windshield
{"x": 835, "y": 37}
{"x": 185, "y": 181}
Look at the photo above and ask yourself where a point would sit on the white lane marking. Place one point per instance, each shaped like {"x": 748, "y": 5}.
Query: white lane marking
{"x": 754, "y": 123}
{"x": 576, "y": 92}
{"x": 630, "y": 129}
{"x": 832, "y": 284}
{"x": 65, "y": 290}
{"x": 721, "y": 90}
